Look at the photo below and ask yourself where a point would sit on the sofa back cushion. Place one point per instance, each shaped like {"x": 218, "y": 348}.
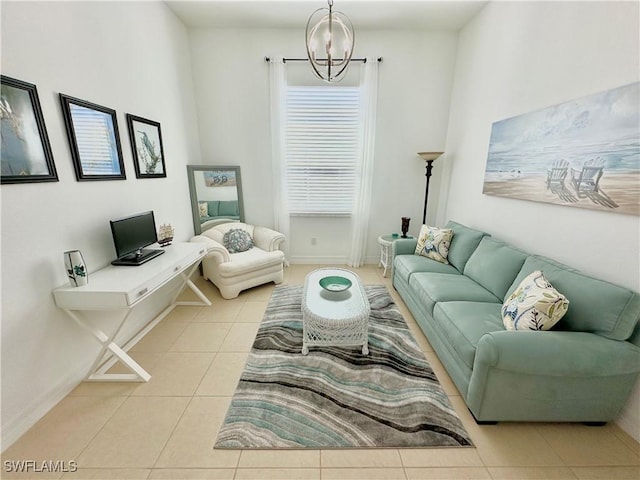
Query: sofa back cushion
{"x": 595, "y": 305}
{"x": 494, "y": 265}
{"x": 228, "y": 208}
{"x": 464, "y": 242}
{"x": 214, "y": 205}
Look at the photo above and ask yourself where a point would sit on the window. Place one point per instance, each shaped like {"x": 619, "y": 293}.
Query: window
{"x": 323, "y": 145}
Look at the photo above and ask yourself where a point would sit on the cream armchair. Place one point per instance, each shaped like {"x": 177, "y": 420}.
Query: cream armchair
{"x": 234, "y": 272}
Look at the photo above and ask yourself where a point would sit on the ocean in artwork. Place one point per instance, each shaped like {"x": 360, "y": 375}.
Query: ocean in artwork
{"x": 583, "y": 153}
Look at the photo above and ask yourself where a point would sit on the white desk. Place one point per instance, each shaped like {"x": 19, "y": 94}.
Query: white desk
{"x": 121, "y": 288}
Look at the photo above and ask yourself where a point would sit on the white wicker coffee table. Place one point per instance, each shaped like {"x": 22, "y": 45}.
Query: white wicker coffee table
{"x": 334, "y": 318}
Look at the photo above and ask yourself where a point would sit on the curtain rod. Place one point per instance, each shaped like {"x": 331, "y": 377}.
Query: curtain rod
{"x": 285, "y": 60}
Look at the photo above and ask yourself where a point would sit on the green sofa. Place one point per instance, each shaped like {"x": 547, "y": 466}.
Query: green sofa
{"x": 216, "y": 209}
{"x": 582, "y": 370}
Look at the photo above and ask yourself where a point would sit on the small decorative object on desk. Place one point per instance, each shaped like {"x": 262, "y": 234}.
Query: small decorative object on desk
{"x": 165, "y": 235}
{"x": 76, "y": 268}
{"x": 405, "y": 226}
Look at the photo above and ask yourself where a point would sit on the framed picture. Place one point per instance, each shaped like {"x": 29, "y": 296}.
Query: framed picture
{"x": 146, "y": 145}
{"x": 26, "y": 152}
{"x": 94, "y": 140}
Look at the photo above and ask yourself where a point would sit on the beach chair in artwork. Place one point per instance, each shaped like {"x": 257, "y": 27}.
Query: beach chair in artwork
{"x": 557, "y": 173}
{"x": 586, "y": 179}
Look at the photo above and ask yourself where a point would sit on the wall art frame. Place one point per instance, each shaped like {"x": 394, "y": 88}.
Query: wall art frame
{"x": 92, "y": 131}
{"x": 26, "y": 151}
{"x": 146, "y": 145}
{"x": 582, "y": 153}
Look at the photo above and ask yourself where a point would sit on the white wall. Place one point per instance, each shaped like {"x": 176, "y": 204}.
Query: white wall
{"x": 517, "y": 57}
{"x": 134, "y": 58}
{"x": 230, "y": 75}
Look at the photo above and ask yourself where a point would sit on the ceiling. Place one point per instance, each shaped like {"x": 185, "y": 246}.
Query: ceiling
{"x": 364, "y": 14}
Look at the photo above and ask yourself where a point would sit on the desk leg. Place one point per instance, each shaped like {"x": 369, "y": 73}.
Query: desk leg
{"x": 139, "y": 375}
{"x": 186, "y": 282}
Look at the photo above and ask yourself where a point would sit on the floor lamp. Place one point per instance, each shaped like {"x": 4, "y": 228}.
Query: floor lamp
{"x": 429, "y": 157}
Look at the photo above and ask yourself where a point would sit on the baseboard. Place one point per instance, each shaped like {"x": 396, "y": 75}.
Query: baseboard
{"x": 14, "y": 428}
{"x": 630, "y": 422}
{"x": 308, "y": 260}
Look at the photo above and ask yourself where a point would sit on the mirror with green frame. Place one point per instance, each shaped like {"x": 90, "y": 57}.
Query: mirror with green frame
{"x": 216, "y": 195}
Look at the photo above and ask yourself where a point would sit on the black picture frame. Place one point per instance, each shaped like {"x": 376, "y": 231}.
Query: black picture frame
{"x": 94, "y": 140}
{"x": 26, "y": 151}
{"x": 146, "y": 146}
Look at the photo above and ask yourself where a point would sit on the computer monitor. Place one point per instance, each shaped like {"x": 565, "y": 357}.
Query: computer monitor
{"x": 131, "y": 235}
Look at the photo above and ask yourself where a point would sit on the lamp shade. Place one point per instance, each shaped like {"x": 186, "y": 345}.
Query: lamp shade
{"x": 330, "y": 39}
{"x": 429, "y": 155}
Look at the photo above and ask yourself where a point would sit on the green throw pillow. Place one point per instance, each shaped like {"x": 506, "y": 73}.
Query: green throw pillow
{"x": 434, "y": 243}
{"x": 237, "y": 240}
{"x": 534, "y": 305}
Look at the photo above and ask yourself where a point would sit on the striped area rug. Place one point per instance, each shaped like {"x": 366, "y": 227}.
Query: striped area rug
{"x": 336, "y": 397}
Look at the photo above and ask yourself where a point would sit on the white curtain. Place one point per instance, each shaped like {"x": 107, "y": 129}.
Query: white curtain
{"x": 362, "y": 201}
{"x": 278, "y": 93}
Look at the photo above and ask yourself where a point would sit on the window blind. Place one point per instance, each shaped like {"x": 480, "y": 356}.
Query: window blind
{"x": 96, "y": 141}
{"x": 322, "y": 149}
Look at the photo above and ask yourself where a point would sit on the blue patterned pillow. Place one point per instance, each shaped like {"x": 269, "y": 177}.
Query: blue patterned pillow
{"x": 434, "y": 243}
{"x": 237, "y": 240}
{"x": 534, "y": 305}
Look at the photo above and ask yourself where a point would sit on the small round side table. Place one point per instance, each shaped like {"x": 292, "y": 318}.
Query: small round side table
{"x": 386, "y": 251}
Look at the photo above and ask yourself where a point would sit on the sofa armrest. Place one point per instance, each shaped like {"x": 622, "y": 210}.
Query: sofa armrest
{"x": 215, "y": 250}
{"x": 556, "y": 353}
{"x": 267, "y": 239}
{"x": 405, "y": 246}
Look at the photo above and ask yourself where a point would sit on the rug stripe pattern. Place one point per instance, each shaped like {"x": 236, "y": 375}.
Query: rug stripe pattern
{"x": 335, "y": 397}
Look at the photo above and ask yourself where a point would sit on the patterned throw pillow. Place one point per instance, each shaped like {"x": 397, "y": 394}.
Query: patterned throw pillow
{"x": 534, "y": 305}
{"x": 203, "y": 208}
{"x": 237, "y": 240}
{"x": 434, "y": 243}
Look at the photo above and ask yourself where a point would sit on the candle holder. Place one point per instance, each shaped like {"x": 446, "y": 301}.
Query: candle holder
{"x": 405, "y": 226}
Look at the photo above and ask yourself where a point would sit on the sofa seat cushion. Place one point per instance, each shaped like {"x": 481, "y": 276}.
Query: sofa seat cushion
{"x": 595, "y": 306}
{"x": 406, "y": 265}
{"x": 494, "y": 265}
{"x": 432, "y": 288}
{"x": 250, "y": 261}
{"x": 463, "y": 324}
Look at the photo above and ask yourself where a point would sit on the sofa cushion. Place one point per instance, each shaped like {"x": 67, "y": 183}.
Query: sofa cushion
{"x": 464, "y": 323}
{"x": 596, "y": 306}
{"x": 494, "y": 265}
{"x": 406, "y": 265}
{"x": 203, "y": 209}
{"x": 534, "y": 305}
{"x": 228, "y": 208}
{"x": 434, "y": 243}
{"x": 464, "y": 242}
{"x": 432, "y": 288}
{"x": 213, "y": 206}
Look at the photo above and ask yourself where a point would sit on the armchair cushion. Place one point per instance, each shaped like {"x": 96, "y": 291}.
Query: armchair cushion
{"x": 237, "y": 240}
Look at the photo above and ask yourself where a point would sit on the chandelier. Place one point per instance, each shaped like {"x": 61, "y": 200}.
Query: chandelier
{"x": 330, "y": 40}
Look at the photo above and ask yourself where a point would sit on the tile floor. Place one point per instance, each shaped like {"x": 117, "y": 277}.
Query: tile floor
{"x": 165, "y": 429}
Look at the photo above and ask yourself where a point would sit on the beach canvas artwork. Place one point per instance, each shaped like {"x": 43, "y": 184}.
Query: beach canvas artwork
{"x": 583, "y": 153}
